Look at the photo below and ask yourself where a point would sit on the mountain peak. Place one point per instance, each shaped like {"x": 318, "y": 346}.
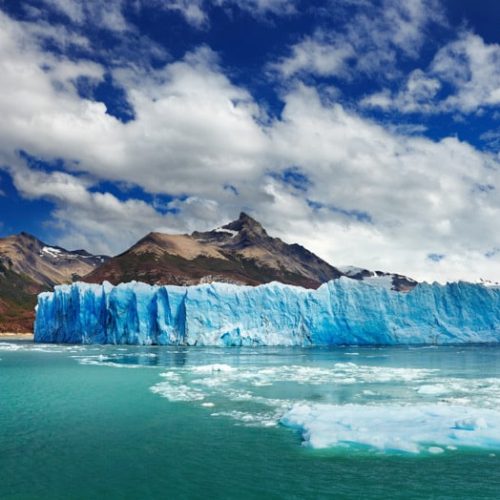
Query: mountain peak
{"x": 23, "y": 235}
{"x": 238, "y": 252}
{"x": 247, "y": 223}
{"x": 245, "y": 217}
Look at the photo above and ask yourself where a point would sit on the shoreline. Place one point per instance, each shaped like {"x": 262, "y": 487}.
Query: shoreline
{"x": 29, "y": 337}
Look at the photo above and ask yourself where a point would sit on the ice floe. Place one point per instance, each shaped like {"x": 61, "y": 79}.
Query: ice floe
{"x": 401, "y": 428}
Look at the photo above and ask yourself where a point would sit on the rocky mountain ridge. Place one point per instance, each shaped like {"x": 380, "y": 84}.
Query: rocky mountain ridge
{"x": 240, "y": 252}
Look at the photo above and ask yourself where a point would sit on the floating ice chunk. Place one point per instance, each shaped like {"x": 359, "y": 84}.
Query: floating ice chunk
{"x": 435, "y": 450}
{"x": 7, "y": 346}
{"x": 395, "y": 428}
{"x": 432, "y": 389}
{"x": 177, "y": 392}
{"x": 214, "y": 368}
{"x": 259, "y": 419}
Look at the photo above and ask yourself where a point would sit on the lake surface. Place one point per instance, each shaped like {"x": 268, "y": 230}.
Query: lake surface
{"x": 171, "y": 422}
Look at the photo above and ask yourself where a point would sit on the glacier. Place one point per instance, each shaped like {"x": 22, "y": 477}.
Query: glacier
{"x": 340, "y": 312}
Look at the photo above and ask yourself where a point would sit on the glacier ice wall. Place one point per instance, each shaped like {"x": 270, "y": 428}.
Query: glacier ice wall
{"x": 340, "y": 312}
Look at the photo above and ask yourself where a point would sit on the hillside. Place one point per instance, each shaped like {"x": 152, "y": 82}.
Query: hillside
{"x": 28, "y": 266}
{"x": 240, "y": 252}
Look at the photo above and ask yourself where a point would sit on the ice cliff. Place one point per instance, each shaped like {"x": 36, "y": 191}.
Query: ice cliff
{"x": 340, "y": 312}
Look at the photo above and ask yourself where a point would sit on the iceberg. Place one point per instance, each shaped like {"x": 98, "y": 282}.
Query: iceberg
{"x": 401, "y": 428}
{"x": 340, "y": 312}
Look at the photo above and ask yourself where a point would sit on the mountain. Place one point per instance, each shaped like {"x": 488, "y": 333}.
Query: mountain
{"x": 240, "y": 252}
{"x": 29, "y": 266}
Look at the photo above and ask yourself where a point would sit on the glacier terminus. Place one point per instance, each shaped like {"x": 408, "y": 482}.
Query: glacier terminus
{"x": 340, "y": 312}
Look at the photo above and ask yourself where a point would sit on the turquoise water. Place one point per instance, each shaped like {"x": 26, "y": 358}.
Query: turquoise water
{"x": 160, "y": 422}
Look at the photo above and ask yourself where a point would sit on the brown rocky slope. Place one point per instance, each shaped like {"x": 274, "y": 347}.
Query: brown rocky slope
{"x": 240, "y": 252}
{"x": 27, "y": 267}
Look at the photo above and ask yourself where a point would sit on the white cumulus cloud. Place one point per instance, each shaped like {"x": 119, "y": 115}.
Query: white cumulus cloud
{"x": 467, "y": 66}
{"x": 369, "y": 195}
{"x": 371, "y": 42}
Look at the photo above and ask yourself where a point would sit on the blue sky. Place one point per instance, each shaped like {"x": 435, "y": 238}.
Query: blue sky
{"x": 368, "y": 131}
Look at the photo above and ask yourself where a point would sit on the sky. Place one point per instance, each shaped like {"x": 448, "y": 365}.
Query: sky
{"x": 366, "y": 130}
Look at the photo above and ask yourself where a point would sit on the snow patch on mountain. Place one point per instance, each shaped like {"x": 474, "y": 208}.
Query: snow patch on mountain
{"x": 227, "y": 231}
{"x": 51, "y": 251}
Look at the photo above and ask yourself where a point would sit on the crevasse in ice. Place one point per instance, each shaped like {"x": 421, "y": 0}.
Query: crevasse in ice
{"x": 340, "y": 312}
